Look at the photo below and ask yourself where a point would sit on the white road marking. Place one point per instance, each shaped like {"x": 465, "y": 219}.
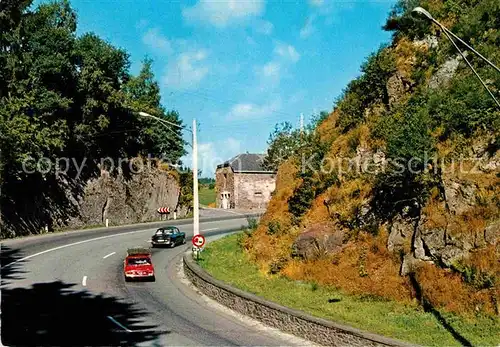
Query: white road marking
{"x": 73, "y": 244}
{"x": 119, "y": 324}
{"x": 108, "y": 255}
{"x": 82, "y": 242}
{"x": 84, "y": 281}
{"x": 211, "y": 229}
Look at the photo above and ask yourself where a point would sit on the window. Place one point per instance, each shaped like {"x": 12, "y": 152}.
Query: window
{"x": 138, "y": 261}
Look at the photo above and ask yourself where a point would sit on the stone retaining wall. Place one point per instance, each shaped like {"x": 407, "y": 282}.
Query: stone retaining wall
{"x": 314, "y": 329}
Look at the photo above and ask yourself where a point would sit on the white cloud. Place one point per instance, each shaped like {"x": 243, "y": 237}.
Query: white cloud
{"x": 243, "y": 111}
{"x": 187, "y": 71}
{"x": 316, "y": 3}
{"x": 211, "y": 154}
{"x": 222, "y": 13}
{"x": 287, "y": 51}
{"x": 265, "y": 27}
{"x": 308, "y": 28}
{"x": 155, "y": 40}
{"x": 271, "y": 73}
{"x": 233, "y": 145}
{"x": 271, "y": 69}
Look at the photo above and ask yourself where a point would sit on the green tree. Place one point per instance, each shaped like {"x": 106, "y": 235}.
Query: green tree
{"x": 156, "y": 139}
{"x": 366, "y": 90}
{"x": 283, "y": 143}
{"x": 63, "y": 96}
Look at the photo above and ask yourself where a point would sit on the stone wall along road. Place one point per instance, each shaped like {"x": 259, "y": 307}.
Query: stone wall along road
{"x": 314, "y": 329}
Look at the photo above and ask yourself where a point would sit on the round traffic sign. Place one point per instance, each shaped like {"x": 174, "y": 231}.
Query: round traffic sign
{"x": 198, "y": 240}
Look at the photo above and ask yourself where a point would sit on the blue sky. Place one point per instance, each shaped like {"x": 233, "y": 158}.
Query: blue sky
{"x": 241, "y": 66}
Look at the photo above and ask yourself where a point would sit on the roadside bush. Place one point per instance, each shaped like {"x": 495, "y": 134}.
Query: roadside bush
{"x": 475, "y": 277}
{"x": 445, "y": 289}
{"x": 395, "y": 192}
{"x": 463, "y": 108}
{"x": 252, "y": 223}
{"x": 409, "y": 140}
{"x": 302, "y": 197}
{"x": 277, "y": 265}
{"x": 314, "y": 182}
{"x": 410, "y": 146}
{"x": 273, "y": 228}
{"x": 244, "y": 237}
{"x": 241, "y": 239}
{"x": 366, "y": 90}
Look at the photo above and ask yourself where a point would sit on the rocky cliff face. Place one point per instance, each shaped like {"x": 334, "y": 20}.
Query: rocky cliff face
{"x": 124, "y": 200}
{"x": 461, "y": 221}
{"x": 360, "y": 224}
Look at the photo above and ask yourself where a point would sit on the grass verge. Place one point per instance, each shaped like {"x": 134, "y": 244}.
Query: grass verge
{"x": 206, "y": 195}
{"x": 225, "y": 260}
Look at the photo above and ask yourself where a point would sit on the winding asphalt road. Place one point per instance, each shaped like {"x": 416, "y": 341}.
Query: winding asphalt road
{"x": 68, "y": 289}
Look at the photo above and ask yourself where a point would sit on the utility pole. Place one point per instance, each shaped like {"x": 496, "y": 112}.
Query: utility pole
{"x": 196, "y": 215}
{"x": 301, "y": 123}
{"x": 196, "y": 211}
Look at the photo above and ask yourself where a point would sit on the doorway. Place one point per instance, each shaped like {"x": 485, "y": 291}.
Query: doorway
{"x": 225, "y": 198}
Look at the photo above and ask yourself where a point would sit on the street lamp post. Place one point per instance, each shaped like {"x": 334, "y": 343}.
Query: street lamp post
{"x": 423, "y": 12}
{"x": 196, "y": 212}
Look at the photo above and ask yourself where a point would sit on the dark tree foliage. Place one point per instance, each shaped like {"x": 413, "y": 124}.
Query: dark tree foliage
{"x": 366, "y": 90}
{"x": 316, "y": 178}
{"x": 64, "y": 96}
{"x": 283, "y": 143}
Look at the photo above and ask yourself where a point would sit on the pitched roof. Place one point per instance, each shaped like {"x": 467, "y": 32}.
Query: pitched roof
{"x": 246, "y": 162}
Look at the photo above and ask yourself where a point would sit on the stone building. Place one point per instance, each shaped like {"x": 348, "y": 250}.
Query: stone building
{"x": 242, "y": 182}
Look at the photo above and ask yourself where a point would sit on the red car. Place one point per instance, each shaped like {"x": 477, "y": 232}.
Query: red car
{"x": 138, "y": 265}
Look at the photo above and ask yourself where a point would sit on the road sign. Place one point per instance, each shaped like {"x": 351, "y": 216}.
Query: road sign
{"x": 198, "y": 240}
{"x": 163, "y": 210}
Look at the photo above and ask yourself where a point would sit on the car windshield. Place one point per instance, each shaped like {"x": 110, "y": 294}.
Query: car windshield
{"x": 138, "y": 261}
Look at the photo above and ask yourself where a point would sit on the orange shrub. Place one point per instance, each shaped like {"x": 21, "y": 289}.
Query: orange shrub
{"x": 327, "y": 129}
{"x": 445, "y": 289}
{"x": 318, "y": 212}
{"x": 436, "y": 214}
{"x": 346, "y": 199}
{"x": 286, "y": 182}
{"x": 343, "y": 270}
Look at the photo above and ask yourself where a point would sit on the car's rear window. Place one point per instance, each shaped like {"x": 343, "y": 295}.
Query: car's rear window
{"x": 138, "y": 261}
{"x": 163, "y": 231}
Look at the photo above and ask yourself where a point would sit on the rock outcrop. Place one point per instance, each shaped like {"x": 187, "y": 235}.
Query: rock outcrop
{"x": 318, "y": 240}
{"x": 445, "y": 235}
{"x": 400, "y": 235}
{"x": 445, "y": 73}
{"x": 397, "y": 86}
{"x": 124, "y": 200}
